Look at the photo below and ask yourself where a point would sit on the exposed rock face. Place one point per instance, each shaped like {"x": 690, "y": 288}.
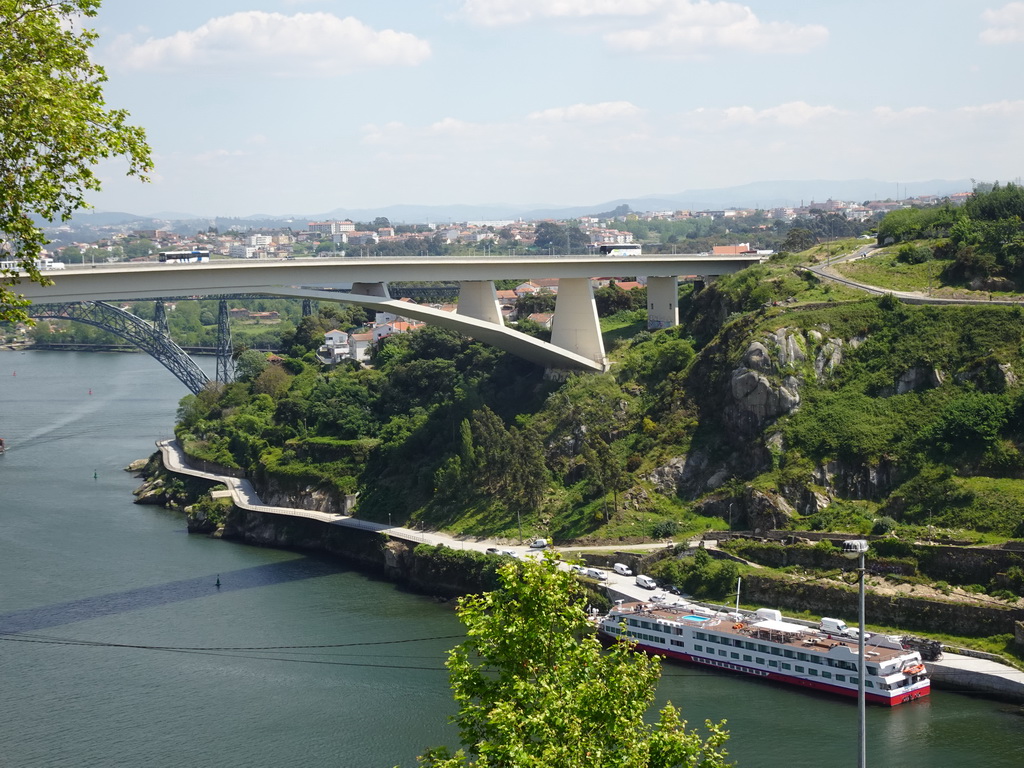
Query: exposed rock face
{"x": 856, "y": 482}
{"x": 198, "y": 522}
{"x": 829, "y": 356}
{"x": 668, "y": 477}
{"x": 989, "y": 375}
{"x": 277, "y": 494}
{"x": 914, "y": 380}
{"x": 757, "y": 398}
{"x": 754, "y": 509}
{"x": 152, "y": 491}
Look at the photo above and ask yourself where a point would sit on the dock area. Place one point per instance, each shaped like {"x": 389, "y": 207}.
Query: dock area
{"x": 967, "y": 674}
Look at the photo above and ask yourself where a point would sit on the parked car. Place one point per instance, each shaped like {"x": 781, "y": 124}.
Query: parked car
{"x": 510, "y": 553}
{"x": 646, "y": 582}
{"x": 596, "y": 573}
{"x": 622, "y": 570}
{"x": 539, "y": 544}
{"x": 492, "y": 551}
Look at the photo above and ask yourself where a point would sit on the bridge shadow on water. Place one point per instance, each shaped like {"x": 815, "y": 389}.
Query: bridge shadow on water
{"x": 86, "y": 608}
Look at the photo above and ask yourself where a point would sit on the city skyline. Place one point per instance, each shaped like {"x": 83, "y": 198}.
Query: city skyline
{"x": 302, "y": 106}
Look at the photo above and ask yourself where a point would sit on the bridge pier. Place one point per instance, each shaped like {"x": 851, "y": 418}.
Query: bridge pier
{"x": 662, "y": 302}
{"x": 225, "y": 361}
{"x": 160, "y": 317}
{"x": 576, "y": 327}
{"x": 479, "y": 300}
{"x": 371, "y": 289}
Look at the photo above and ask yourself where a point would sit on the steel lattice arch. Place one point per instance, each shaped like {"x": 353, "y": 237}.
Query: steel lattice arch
{"x": 135, "y": 330}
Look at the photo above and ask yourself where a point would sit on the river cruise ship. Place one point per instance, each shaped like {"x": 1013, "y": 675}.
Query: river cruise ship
{"x": 766, "y": 645}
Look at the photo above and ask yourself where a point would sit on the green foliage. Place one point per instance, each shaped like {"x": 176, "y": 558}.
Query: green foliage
{"x": 699, "y": 575}
{"x": 54, "y": 129}
{"x": 883, "y": 525}
{"x": 534, "y": 687}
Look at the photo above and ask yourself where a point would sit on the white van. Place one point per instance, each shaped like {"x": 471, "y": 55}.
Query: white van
{"x": 646, "y": 582}
{"x": 596, "y": 573}
{"x": 621, "y": 569}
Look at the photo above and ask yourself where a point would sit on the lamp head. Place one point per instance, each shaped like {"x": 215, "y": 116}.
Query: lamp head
{"x": 854, "y": 548}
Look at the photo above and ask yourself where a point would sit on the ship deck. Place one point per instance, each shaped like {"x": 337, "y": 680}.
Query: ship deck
{"x": 752, "y": 627}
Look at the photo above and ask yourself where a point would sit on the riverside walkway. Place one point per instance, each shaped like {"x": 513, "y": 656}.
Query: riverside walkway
{"x": 954, "y": 671}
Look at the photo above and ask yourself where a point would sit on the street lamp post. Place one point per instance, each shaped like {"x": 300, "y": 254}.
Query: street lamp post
{"x": 854, "y": 549}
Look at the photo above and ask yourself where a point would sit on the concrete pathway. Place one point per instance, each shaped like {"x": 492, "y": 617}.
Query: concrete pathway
{"x": 966, "y": 673}
{"x": 954, "y": 671}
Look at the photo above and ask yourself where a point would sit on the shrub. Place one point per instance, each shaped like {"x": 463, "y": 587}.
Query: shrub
{"x": 883, "y": 526}
{"x": 666, "y": 529}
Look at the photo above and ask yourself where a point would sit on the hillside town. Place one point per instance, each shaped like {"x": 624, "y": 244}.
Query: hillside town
{"x": 125, "y": 242}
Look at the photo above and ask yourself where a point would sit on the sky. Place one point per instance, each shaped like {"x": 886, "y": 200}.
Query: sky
{"x": 286, "y": 107}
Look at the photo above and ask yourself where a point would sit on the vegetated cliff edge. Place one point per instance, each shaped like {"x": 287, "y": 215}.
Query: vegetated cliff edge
{"x": 833, "y": 416}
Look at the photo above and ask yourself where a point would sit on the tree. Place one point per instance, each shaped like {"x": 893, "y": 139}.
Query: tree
{"x": 249, "y": 365}
{"x": 535, "y": 689}
{"x": 54, "y": 128}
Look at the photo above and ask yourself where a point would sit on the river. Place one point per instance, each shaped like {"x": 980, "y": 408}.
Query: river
{"x": 119, "y": 649}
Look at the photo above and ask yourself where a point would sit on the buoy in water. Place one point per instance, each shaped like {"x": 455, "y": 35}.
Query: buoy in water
{"x": 218, "y": 581}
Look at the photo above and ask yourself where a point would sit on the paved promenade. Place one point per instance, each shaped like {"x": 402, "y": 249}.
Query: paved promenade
{"x": 954, "y": 671}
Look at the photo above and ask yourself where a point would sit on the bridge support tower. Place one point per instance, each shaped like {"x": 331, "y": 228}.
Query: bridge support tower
{"x": 479, "y": 300}
{"x": 576, "y": 327}
{"x": 225, "y": 362}
{"x": 662, "y": 302}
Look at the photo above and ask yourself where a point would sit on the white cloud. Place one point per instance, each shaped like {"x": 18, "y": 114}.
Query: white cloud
{"x": 1005, "y": 25}
{"x": 692, "y": 29}
{"x": 495, "y": 13}
{"x": 794, "y": 113}
{"x": 676, "y": 27}
{"x": 588, "y": 113}
{"x": 305, "y": 44}
{"x": 1004, "y": 108}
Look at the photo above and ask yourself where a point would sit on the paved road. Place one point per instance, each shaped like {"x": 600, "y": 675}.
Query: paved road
{"x": 828, "y": 272}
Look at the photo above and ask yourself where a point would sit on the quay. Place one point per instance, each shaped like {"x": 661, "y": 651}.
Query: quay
{"x": 957, "y": 671}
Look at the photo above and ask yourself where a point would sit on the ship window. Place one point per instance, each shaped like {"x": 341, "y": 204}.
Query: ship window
{"x": 788, "y": 653}
{"x": 738, "y": 643}
{"x": 679, "y": 630}
{"x": 698, "y": 647}
{"x": 816, "y": 659}
{"x": 799, "y": 668}
{"x": 872, "y": 670}
{"x": 868, "y": 684}
{"x": 776, "y": 652}
{"x": 762, "y": 648}
{"x": 802, "y": 656}
{"x": 634, "y": 623}
{"x": 841, "y": 678}
{"x": 773, "y": 663}
{"x": 734, "y": 655}
{"x": 645, "y": 624}
{"x": 750, "y": 646}
{"x": 786, "y": 666}
{"x": 760, "y": 660}
{"x": 700, "y": 635}
{"x": 747, "y": 658}
{"x": 721, "y": 653}
{"x": 678, "y": 643}
{"x": 813, "y": 671}
{"x": 826, "y": 674}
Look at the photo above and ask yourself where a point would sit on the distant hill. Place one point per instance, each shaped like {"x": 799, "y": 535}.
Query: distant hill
{"x": 760, "y": 194}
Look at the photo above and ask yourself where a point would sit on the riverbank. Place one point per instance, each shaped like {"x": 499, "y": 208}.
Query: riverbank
{"x": 391, "y": 551}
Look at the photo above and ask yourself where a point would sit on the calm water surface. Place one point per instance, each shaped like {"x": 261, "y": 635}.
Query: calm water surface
{"x": 121, "y": 651}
